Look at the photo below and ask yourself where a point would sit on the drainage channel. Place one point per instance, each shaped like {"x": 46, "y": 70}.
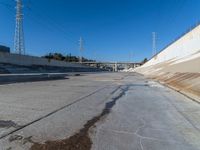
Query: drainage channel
{"x": 81, "y": 140}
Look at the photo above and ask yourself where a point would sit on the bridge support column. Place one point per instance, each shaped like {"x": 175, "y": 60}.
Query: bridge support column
{"x": 115, "y": 67}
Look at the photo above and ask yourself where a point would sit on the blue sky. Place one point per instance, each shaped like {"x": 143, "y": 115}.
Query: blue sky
{"x": 113, "y": 30}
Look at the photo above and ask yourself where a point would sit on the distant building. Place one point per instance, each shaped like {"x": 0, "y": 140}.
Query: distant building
{"x": 4, "y": 49}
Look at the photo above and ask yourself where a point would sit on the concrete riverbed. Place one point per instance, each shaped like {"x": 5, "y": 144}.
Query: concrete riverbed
{"x": 103, "y": 111}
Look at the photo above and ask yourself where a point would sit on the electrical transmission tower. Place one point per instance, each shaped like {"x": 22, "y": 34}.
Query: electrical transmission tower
{"x": 81, "y": 49}
{"x": 19, "y": 45}
{"x": 154, "y": 43}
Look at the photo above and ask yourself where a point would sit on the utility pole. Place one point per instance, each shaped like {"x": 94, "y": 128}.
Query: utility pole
{"x": 154, "y": 43}
{"x": 130, "y": 60}
{"x": 19, "y": 45}
{"x": 130, "y": 56}
{"x": 81, "y": 49}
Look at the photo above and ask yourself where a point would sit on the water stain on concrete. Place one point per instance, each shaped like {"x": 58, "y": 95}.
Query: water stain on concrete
{"x": 15, "y": 138}
{"x": 8, "y": 124}
{"x": 20, "y": 138}
{"x": 81, "y": 140}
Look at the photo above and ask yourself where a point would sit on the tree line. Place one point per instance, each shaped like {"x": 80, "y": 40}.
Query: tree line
{"x": 67, "y": 58}
{"x": 72, "y": 58}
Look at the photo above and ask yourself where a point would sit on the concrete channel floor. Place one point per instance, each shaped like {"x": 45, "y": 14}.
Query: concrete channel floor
{"x": 144, "y": 114}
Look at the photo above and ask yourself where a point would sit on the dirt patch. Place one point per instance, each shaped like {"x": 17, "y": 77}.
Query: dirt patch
{"x": 81, "y": 140}
{"x": 15, "y": 138}
{"x": 8, "y": 124}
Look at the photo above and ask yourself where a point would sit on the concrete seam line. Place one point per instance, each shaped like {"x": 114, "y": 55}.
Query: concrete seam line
{"x": 53, "y": 112}
{"x": 181, "y": 113}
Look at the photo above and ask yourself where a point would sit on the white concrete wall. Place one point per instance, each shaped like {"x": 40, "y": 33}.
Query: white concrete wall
{"x": 31, "y": 60}
{"x": 187, "y": 45}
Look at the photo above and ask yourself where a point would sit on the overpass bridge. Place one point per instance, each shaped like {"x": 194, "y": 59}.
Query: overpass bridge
{"x": 113, "y": 66}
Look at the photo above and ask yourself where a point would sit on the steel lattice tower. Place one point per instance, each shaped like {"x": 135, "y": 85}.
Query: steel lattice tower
{"x": 154, "y": 43}
{"x": 19, "y": 45}
{"x": 81, "y": 49}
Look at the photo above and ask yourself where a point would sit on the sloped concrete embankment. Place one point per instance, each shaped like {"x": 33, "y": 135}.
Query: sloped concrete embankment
{"x": 178, "y": 65}
{"x": 182, "y": 75}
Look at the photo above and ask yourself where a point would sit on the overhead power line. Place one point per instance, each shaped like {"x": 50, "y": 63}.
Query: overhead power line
{"x": 50, "y": 22}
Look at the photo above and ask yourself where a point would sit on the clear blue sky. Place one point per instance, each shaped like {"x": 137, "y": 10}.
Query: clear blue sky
{"x": 113, "y": 30}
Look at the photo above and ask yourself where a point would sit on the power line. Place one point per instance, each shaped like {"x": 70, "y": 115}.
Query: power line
{"x": 8, "y": 6}
{"x": 51, "y": 22}
{"x": 47, "y": 22}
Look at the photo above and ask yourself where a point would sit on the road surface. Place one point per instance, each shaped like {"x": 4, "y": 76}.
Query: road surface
{"x": 107, "y": 111}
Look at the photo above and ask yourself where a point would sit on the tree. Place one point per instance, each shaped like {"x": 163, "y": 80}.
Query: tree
{"x": 144, "y": 61}
{"x": 67, "y": 58}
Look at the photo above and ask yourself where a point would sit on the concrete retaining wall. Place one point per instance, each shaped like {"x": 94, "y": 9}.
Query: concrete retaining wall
{"x": 31, "y": 60}
{"x": 187, "y": 45}
{"x": 178, "y": 65}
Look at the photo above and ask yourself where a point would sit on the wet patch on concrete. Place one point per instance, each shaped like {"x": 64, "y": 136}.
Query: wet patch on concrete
{"x": 20, "y": 138}
{"x": 115, "y": 90}
{"x": 15, "y": 138}
{"x": 8, "y": 124}
{"x": 139, "y": 85}
{"x": 81, "y": 140}
{"x": 77, "y": 74}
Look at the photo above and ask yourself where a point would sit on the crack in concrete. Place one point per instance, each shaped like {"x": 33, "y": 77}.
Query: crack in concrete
{"x": 133, "y": 133}
{"x": 181, "y": 113}
{"x": 141, "y": 138}
{"x": 141, "y": 145}
{"x": 136, "y": 132}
